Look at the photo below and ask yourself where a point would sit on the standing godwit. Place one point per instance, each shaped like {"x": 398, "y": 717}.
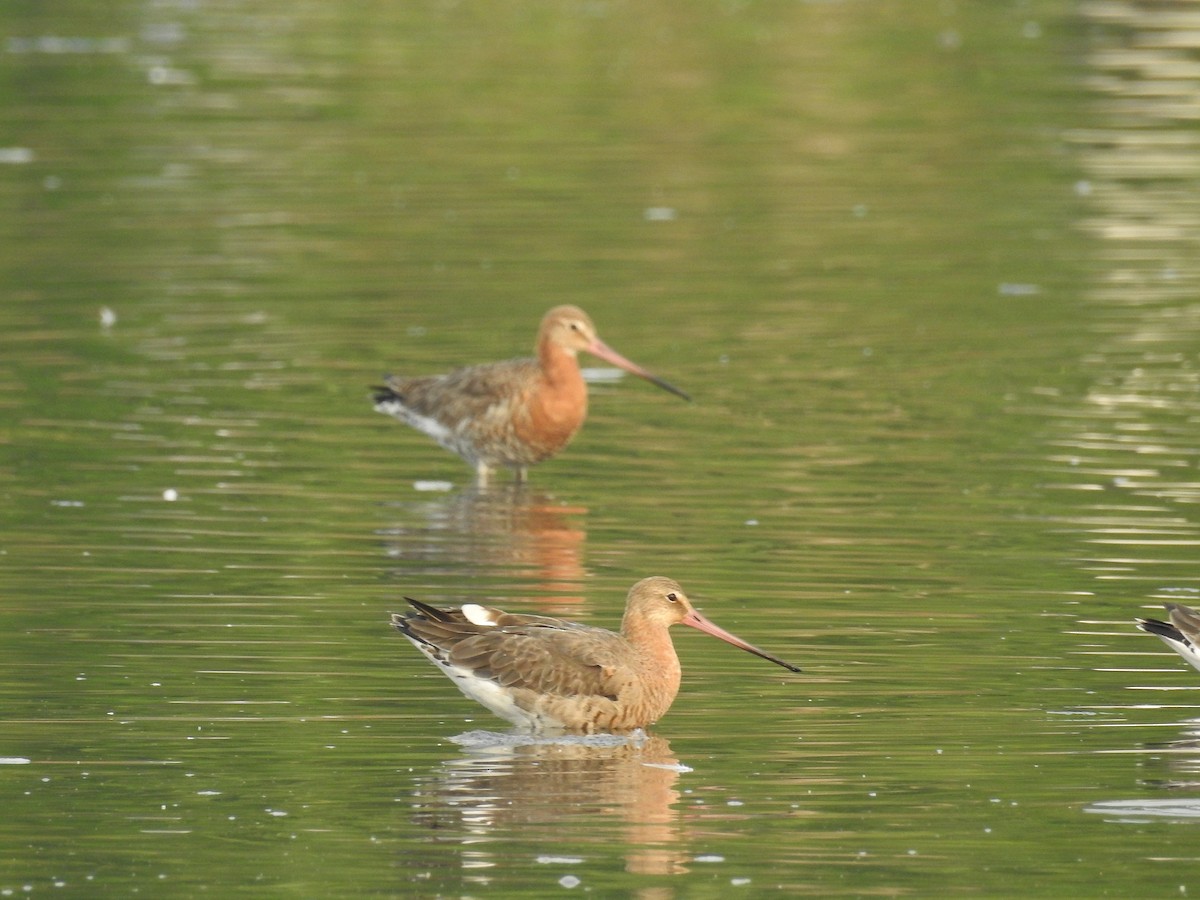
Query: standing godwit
{"x": 513, "y": 413}
{"x": 1181, "y": 634}
{"x": 546, "y": 674}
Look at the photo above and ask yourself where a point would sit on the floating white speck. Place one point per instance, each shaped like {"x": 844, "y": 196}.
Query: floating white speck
{"x": 670, "y": 767}
{"x": 739, "y": 882}
{"x": 14, "y": 761}
{"x": 54, "y": 43}
{"x": 569, "y": 881}
{"x": 170, "y": 495}
{"x": 108, "y": 318}
{"x": 1142, "y": 810}
{"x": 441, "y": 486}
{"x": 68, "y": 503}
{"x": 660, "y": 214}
{"x": 559, "y": 860}
{"x": 16, "y": 156}
{"x": 709, "y": 858}
{"x": 1017, "y": 289}
{"x": 165, "y": 76}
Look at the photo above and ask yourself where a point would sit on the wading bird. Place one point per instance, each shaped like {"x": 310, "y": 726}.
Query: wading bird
{"x": 549, "y": 675}
{"x": 514, "y": 413}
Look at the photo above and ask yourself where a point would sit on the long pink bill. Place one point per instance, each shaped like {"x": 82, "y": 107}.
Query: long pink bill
{"x": 608, "y": 354}
{"x": 700, "y": 623}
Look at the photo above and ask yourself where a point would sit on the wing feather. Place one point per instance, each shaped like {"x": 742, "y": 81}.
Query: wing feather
{"x": 557, "y": 662}
{"x": 476, "y": 390}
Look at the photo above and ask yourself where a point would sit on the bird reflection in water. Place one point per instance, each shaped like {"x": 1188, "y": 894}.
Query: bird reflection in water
{"x": 483, "y": 531}
{"x": 1174, "y": 765}
{"x": 506, "y": 780}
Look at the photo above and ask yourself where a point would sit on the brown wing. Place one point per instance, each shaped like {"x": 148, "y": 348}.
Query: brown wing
{"x": 1186, "y": 619}
{"x": 468, "y": 393}
{"x": 575, "y": 662}
{"x": 538, "y": 653}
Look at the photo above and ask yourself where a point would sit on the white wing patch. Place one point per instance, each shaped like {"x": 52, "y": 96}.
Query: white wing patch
{"x": 478, "y": 615}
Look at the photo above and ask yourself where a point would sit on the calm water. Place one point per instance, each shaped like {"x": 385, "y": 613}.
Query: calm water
{"x": 931, "y": 276}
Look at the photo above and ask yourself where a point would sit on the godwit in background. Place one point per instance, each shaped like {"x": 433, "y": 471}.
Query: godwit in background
{"x": 513, "y": 413}
{"x": 1181, "y": 634}
{"x": 549, "y": 675}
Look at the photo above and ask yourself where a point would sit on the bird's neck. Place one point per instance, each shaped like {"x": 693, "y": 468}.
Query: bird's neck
{"x": 559, "y": 365}
{"x": 653, "y": 643}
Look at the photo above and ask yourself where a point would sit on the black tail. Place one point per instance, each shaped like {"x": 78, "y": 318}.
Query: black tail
{"x": 429, "y": 612}
{"x": 382, "y": 394}
{"x": 1161, "y": 629}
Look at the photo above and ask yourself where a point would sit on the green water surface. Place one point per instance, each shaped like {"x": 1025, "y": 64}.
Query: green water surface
{"x": 929, "y": 272}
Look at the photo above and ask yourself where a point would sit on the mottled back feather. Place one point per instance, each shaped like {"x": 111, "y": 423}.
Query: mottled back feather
{"x": 536, "y": 653}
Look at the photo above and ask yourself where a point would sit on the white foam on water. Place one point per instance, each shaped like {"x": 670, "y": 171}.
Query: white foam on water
{"x": 477, "y": 740}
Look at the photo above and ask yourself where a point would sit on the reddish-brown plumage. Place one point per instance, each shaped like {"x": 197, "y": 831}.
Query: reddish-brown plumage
{"x": 549, "y": 675}
{"x": 515, "y": 413}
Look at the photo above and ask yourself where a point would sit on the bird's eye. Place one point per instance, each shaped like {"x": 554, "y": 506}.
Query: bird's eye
{"x": 673, "y": 598}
